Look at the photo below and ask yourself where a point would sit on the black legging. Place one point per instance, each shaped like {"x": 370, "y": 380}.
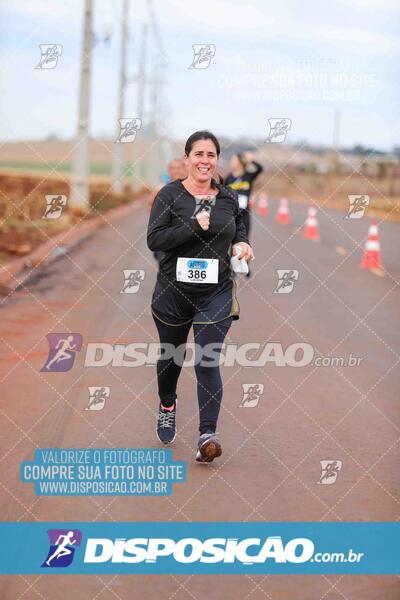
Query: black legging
{"x": 209, "y": 382}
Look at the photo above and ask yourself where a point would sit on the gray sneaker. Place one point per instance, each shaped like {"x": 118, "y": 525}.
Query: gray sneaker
{"x": 208, "y": 448}
{"x": 166, "y": 427}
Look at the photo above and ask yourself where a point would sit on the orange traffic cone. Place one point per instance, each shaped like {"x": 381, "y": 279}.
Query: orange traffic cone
{"x": 311, "y": 226}
{"x": 251, "y": 202}
{"x": 262, "y": 207}
{"x": 372, "y": 251}
{"x": 282, "y": 216}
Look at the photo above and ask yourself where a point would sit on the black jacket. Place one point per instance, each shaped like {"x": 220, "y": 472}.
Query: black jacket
{"x": 174, "y": 229}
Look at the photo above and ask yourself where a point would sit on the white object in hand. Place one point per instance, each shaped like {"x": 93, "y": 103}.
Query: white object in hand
{"x": 239, "y": 266}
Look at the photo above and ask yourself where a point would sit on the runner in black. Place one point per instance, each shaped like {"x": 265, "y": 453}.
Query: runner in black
{"x": 244, "y": 172}
{"x": 196, "y": 222}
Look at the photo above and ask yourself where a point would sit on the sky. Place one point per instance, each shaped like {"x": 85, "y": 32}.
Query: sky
{"x": 297, "y": 60}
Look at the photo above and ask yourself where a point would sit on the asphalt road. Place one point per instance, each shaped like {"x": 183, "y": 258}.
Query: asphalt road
{"x": 270, "y": 467}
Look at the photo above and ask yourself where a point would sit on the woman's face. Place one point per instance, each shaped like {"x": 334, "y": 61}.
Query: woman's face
{"x": 235, "y": 163}
{"x": 202, "y": 161}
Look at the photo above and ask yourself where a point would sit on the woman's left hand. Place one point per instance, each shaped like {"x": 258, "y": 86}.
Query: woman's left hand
{"x": 246, "y": 253}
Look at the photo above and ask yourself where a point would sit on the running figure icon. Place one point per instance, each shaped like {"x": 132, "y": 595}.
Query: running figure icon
{"x": 63, "y": 346}
{"x": 62, "y": 549}
{"x": 133, "y": 279}
{"x": 63, "y": 545}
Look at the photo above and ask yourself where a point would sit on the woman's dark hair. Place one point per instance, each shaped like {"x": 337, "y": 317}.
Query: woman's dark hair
{"x": 201, "y": 135}
{"x": 205, "y": 135}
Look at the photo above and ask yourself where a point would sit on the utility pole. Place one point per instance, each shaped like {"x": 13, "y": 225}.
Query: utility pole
{"x": 119, "y": 154}
{"x": 79, "y": 201}
{"x": 155, "y": 89}
{"x": 335, "y": 141}
{"x": 155, "y": 93}
{"x": 140, "y": 100}
{"x": 331, "y": 179}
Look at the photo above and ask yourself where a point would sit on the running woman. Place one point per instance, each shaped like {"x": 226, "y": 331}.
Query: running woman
{"x": 244, "y": 172}
{"x": 196, "y": 223}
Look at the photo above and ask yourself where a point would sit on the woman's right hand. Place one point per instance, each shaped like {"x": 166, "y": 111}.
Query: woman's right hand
{"x": 203, "y": 219}
{"x": 246, "y": 251}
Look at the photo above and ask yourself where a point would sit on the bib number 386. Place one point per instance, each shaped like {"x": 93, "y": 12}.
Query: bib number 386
{"x": 197, "y": 270}
{"x": 196, "y": 274}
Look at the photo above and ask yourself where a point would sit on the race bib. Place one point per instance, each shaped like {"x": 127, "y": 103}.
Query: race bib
{"x": 197, "y": 270}
{"x": 243, "y": 200}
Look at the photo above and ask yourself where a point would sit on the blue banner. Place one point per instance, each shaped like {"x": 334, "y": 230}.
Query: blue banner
{"x": 192, "y": 548}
